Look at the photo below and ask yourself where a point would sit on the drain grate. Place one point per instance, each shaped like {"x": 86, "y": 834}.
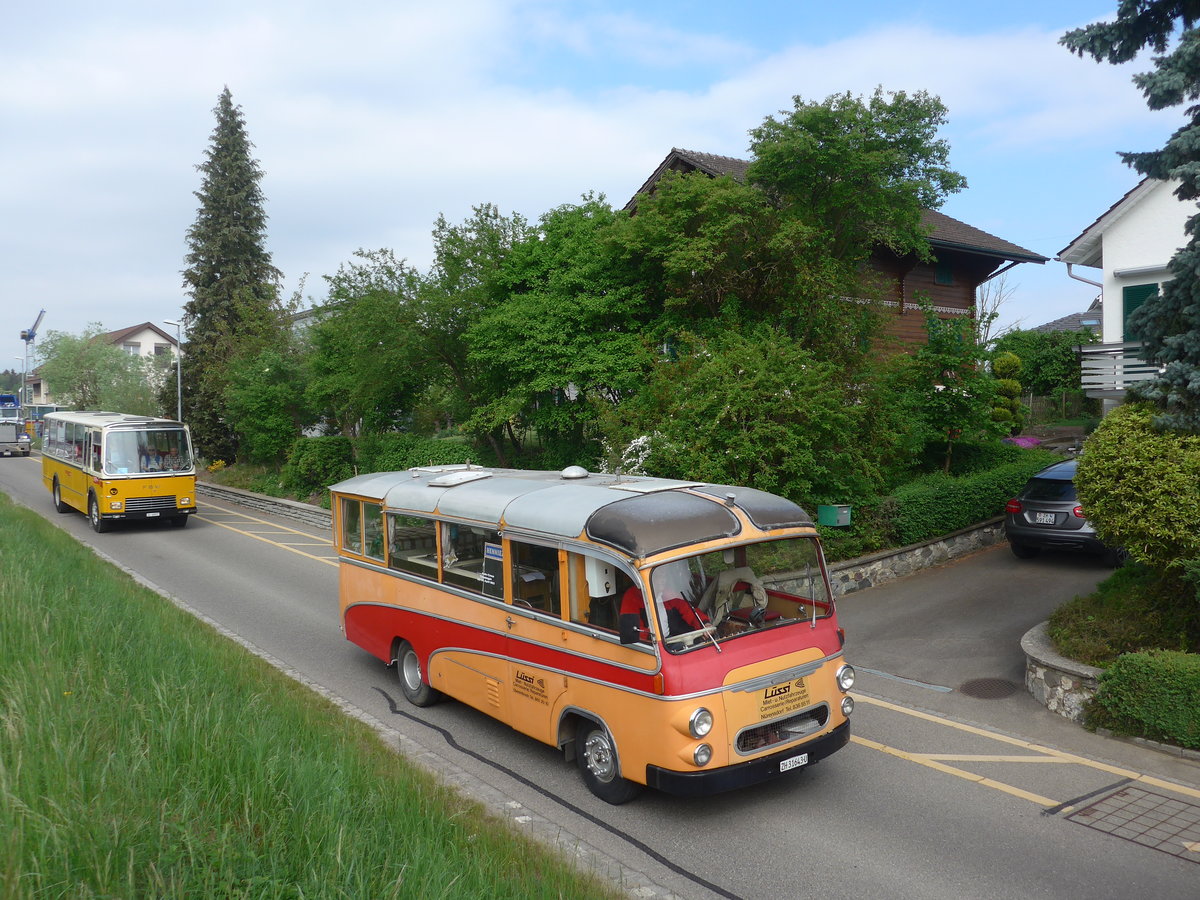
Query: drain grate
{"x": 988, "y": 688}
{"x": 1146, "y": 818}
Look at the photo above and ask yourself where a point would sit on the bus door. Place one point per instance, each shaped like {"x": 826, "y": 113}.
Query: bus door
{"x": 536, "y": 636}
{"x": 93, "y": 460}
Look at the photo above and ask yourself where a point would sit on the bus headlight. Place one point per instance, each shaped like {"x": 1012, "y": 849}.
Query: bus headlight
{"x": 114, "y": 504}
{"x": 847, "y": 705}
{"x": 845, "y": 678}
{"x": 700, "y": 723}
{"x": 702, "y": 755}
{"x": 185, "y": 501}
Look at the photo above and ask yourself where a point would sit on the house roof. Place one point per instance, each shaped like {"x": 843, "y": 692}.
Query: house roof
{"x": 1088, "y": 248}
{"x": 944, "y": 231}
{"x": 1090, "y": 319}
{"x": 116, "y": 337}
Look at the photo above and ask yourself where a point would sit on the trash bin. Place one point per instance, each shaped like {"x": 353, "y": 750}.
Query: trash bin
{"x": 835, "y": 514}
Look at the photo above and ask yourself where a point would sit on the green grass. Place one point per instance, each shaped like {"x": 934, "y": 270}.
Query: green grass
{"x": 142, "y": 755}
{"x": 1134, "y": 609}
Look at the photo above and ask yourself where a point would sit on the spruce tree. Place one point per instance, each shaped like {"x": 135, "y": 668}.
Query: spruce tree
{"x": 1169, "y": 324}
{"x": 233, "y": 286}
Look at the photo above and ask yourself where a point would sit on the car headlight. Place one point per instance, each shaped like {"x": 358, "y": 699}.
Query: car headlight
{"x": 700, "y": 723}
{"x": 847, "y": 705}
{"x": 702, "y": 755}
{"x": 845, "y": 678}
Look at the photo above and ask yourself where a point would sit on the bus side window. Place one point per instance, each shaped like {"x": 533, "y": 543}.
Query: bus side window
{"x": 412, "y": 545}
{"x": 351, "y": 525}
{"x": 470, "y": 555}
{"x": 372, "y": 530}
{"x": 595, "y": 588}
{"x": 535, "y": 578}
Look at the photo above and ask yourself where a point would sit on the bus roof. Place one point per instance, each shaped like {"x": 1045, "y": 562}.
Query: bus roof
{"x": 639, "y": 515}
{"x": 102, "y": 418}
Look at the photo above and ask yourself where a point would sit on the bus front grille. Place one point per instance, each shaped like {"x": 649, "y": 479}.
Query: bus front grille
{"x": 782, "y": 731}
{"x": 149, "y": 504}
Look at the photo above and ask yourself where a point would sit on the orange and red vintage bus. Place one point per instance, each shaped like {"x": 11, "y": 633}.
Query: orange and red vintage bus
{"x": 665, "y": 633}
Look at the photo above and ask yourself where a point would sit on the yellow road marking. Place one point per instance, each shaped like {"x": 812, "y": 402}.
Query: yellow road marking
{"x": 1047, "y": 755}
{"x": 329, "y": 561}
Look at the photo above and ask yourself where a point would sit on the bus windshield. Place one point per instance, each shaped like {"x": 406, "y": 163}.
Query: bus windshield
{"x": 724, "y": 594}
{"x": 145, "y": 451}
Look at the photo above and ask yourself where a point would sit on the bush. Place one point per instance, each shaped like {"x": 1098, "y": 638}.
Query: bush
{"x": 1141, "y": 487}
{"x": 1152, "y": 695}
{"x": 315, "y": 463}
{"x": 938, "y": 504}
{"x": 396, "y": 451}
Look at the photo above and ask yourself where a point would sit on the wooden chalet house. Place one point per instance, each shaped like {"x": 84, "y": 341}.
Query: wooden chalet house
{"x": 964, "y": 257}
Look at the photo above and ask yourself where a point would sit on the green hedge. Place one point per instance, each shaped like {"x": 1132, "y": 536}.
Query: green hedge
{"x": 317, "y": 462}
{"x": 1155, "y": 694}
{"x": 938, "y": 504}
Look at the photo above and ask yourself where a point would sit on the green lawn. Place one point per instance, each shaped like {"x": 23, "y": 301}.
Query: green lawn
{"x": 143, "y": 755}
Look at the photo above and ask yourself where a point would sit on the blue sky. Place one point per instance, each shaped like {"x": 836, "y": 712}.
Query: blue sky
{"x": 371, "y": 118}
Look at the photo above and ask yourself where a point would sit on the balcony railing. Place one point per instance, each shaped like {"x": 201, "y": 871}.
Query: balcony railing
{"x": 1109, "y": 369}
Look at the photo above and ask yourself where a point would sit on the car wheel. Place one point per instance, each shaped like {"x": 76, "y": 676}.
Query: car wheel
{"x": 599, "y": 768}
{"x": 1115, "y": 557}
{"x": 412, "y": 684}
{"x": 1024, "y": 551}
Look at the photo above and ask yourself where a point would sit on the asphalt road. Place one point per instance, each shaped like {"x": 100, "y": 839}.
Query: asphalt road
{"x": 939, "y": 795}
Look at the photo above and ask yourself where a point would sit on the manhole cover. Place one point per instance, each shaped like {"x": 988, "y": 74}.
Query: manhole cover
{"x": 988, "y": 688}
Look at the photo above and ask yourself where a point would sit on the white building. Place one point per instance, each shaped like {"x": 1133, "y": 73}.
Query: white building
{"x": 145, "y": 340}
{"x": 1130, "y": 245}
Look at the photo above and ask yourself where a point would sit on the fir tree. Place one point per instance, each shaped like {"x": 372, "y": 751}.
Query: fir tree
{"x": 1169, "y": 324}
{"x": 234, "y": 288}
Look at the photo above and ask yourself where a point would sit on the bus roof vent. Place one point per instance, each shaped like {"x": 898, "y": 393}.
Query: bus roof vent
{"x": 572, "y": 473}
{"x": 463, "y": 476}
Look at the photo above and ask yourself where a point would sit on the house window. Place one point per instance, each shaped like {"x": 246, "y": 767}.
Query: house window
{"x": 943, "y": 273}
{"x": 133, "y": 348}
{"x": 162, "y": 349}
{"x": 1132, "y": 297}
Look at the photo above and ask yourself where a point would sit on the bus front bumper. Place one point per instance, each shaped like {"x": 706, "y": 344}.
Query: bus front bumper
{"x": 701, "y": 783}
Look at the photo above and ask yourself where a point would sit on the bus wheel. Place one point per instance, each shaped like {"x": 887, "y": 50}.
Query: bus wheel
{"x": 99, "y": 525}
{"x": 597, "y": 757}
{"x": 179, "y": 521}
{"x": 58, "y": 500}
{"x": 413, "y": 686}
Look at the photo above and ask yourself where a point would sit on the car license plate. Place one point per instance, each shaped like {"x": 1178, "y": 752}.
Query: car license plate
{"x": 794, "y": 762}
{"x": 1043, "y": 518}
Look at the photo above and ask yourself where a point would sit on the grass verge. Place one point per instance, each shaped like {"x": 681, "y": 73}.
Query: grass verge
{"x": 142, "y": 755}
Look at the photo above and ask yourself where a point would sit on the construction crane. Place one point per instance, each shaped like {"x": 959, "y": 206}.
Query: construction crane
{"x": 28, "y": 336}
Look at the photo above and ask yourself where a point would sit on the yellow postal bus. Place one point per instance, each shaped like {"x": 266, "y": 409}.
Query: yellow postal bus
{"x": 665, "y": 633}
{"x": 114, "y": 467}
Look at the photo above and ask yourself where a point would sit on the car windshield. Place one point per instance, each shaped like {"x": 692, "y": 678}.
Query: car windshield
{"x": 141, "y": 452}
{"x": 724, "y": 594}
{"x": 1050, "y": 489}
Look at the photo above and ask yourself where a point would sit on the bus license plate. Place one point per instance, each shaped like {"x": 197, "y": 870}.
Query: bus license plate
{"x": 794, "y": 763}
{"x": 151, "y": 515}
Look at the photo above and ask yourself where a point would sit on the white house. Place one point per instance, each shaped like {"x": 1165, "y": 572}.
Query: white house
{"x": 1131, "y": 245}
{"x": 146, "y": 340}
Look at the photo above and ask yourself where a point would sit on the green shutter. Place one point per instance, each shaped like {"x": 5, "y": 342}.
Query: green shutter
{"x": 1132, "y": 297}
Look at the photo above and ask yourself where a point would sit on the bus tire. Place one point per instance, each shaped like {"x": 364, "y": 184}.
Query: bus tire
{"x": 58, "y": 500}
{"x": 599, "y": 768}
{"x": 412, "y": 682}
{"x": 99, "y": 523}
{"x": 179, "y": 521}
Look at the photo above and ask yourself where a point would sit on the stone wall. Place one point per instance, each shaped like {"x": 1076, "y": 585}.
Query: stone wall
{"x": 1061, "y": 685}
{"x": 888, "y": 565}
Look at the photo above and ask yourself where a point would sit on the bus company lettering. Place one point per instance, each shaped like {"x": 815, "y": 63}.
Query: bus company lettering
{"x": 528, "y": 686}
{"x": 783, "y": 698}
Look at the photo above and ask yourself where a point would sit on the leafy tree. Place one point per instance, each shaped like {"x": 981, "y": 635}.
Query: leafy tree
{"x": 956, "y": 395}
{"x": 1049, "y": 363}
{"x": 857, "y": 172}
{"x": 462, "y": 285}
{"x": 568, "y": 330}
{"x": 1008, "y": 409}
{"x": 366, "y": 363}
{"x": 262, "y": 398}
{"x": 87, "y": 371}
{"x": 750, "y": 409}
{"x": 1169, "y": 324}
{"x": 233, "y": 286}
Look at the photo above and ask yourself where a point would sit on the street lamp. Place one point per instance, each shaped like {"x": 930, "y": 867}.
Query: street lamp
{"x": 178, "y": 371}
